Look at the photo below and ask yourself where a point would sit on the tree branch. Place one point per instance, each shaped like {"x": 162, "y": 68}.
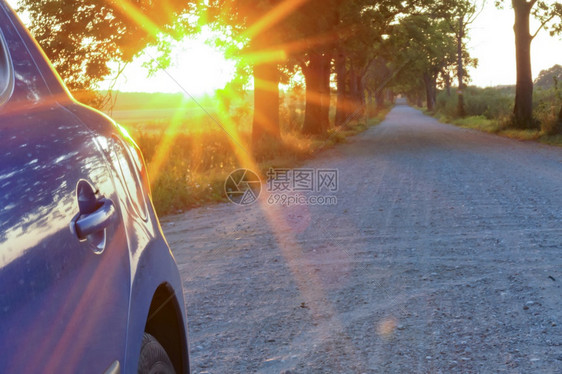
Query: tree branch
{"x": 109, "y": 100}
{"x": 475, "y": 15}
{"x": 542, "y": 25}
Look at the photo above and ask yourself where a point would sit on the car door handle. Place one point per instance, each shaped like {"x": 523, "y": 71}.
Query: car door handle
{"x": 98, "y": 220}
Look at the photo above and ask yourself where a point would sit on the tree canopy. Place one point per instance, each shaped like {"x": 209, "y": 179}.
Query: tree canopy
{"x": 366, "y": 46}
{"x": 547, "y": 78}
{"x": 82, "y": 37}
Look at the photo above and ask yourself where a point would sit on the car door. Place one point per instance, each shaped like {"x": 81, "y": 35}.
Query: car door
{"x": 64, "y": 259}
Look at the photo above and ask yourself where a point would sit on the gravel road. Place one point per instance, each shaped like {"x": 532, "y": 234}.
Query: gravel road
{"x": 442, "y": 255}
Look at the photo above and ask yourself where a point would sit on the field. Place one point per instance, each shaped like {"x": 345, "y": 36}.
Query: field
{"x": 189, "y": 146}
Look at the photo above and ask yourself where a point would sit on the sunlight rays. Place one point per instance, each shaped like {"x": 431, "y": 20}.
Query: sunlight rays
{"x": 162, "y": 149}
{"x": 231, "y": 128}
{"x": 129, "y": 10}
{"x": 281, "y": 52}
{"x": 264, "y": 56}
{"x": 74, "y": 338}
{"x": 265, "y": 122}
{"x": 309, "y": 284}
{"x": 274, "y": 16}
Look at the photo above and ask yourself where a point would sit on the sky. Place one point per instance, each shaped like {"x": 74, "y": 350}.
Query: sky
{"x": 492, "y": 41}
{"x": 198, "y": 68}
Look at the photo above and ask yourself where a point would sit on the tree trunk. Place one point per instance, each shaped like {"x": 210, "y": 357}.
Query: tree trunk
{"x": 316, "y": 117}
{"x": 429, "y": 91}
{"x": 379, "y": 98}
{"x": 357, "y": 94}
{"x": 434, "y": 90}
{"x": 359, "y": 97}
{"x": 342, "y": 110}
{"x": 447, "y": 81}
{"x": 353, "y": 89}
{"x": 325, "y": 93}
{"x": 369, "y": 101}
{"x": 419, "y": 101}
{"x": 523, "y": 110}
{"x": 390, "y": 96}
{"x": 266, "y": 103}
{"x": 460, "y": 68}
{"x": 559, "y": 122}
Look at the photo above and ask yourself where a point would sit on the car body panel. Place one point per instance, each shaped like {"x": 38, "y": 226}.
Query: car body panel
{"x": 54, "y": 296}
{"x": 65, "y": 307}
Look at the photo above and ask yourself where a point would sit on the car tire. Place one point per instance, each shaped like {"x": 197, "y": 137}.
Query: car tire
{"x": 153, "y": 357}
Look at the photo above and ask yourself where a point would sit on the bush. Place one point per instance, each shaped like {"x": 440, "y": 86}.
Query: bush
{"x": 188, "y": 168}
{"x": 490, "y": 109}
{"x": 490, "y": 102}
{"x": 546, "y": 108}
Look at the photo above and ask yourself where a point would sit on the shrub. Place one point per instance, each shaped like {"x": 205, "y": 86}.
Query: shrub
{"x": 490, "y": 102}
{"x": 546, "y": 109}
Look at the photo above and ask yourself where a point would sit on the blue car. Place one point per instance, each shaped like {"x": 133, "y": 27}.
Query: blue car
{"x": 87, "y": 281}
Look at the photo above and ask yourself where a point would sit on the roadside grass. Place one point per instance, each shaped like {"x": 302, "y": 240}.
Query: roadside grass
{"x": 489, "y": 110}
{"x": 498, "y": 127}
{"x": 474, "y": 122}
{"x": 196, "y": 164}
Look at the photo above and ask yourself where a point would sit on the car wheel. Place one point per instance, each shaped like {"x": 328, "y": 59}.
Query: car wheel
{"x": 153, "y": 357}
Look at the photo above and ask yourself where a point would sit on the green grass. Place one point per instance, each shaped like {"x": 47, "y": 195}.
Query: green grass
{"x": 477, "y": 122}
{"x": 498, "y": 127}
{"x": 489, "y": 110}
{"x": 552, "y": 140}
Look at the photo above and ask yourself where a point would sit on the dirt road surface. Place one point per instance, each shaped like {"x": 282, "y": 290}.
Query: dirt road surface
{"x": 443, "y": 254}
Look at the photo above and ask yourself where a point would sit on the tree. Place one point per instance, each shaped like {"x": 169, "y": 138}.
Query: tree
{"x": 316, "y": 72}
{"x": 312, "y": 27}
{"x": 83, "y": 37}
{"x": 376, "y": 76}
{"x": 362, "y": 24}
{"x": 262, "y": 28}
{"x": 458, "y": 15}
{"x": 428, "y": 48}
{"x": 545, "y": 13}
{"x": 549, "y": 77}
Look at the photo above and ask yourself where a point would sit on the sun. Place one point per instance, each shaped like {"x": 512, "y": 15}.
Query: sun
{"x": 196, "y": 68}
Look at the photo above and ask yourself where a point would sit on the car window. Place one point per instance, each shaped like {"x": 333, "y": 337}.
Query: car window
{"x": 6, "y": 72}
